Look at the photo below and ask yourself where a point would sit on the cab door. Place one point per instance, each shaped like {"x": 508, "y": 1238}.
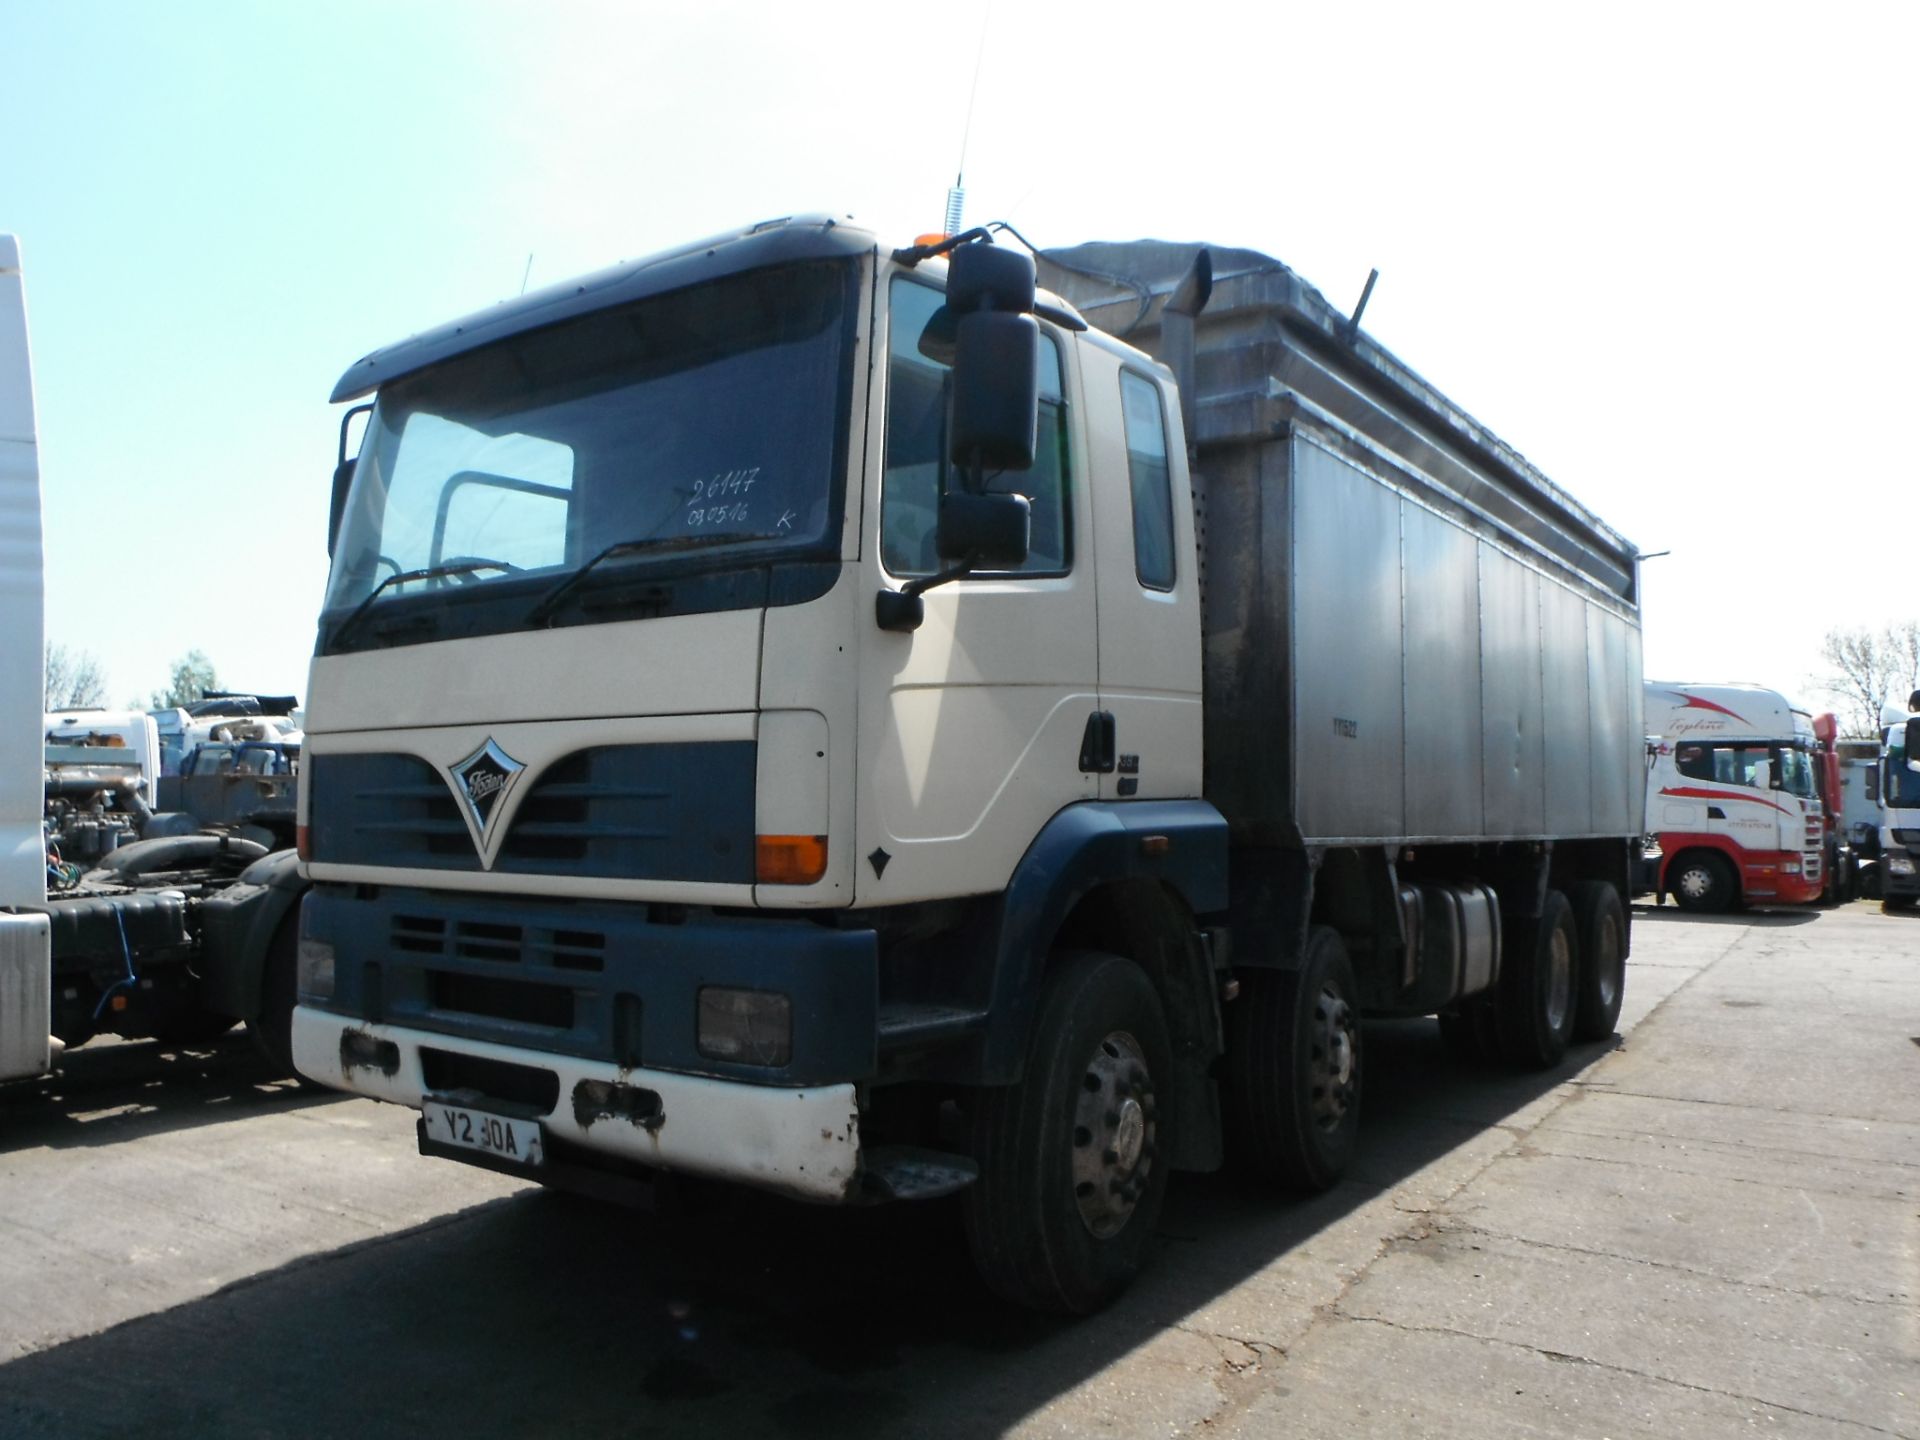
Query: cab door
{"x": 1150, "y": 676}
{"x": 971, "y": 724}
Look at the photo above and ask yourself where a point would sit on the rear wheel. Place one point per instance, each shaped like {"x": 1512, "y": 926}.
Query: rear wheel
{"x": 1703, "y": 882}
{"x": 1072, "y": 1158}
{"x": 1535, "y": 1002}
{"x": 1293, "y": 1068}
{"x": 1600, "y": 922}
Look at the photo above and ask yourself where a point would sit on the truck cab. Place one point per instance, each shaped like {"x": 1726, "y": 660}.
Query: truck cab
{"x": 1734, "y": 796}
{"x": 605, "y": 752}
{"x": 1900, "y": 806}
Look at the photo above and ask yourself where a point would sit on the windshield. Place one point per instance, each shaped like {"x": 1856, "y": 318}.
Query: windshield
{"x": 1902, "y": 786}
{"x": 708, "y": 420}
{"x": 1796, "y": 774}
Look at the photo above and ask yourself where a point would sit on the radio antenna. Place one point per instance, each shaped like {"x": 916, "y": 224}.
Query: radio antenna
{"x": 957, "y": 196}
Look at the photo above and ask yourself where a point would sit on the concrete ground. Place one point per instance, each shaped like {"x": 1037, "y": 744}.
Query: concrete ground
{"x": 1710, "y": 1226}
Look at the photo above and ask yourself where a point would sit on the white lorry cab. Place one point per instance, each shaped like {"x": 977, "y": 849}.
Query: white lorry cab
{"x": 1900, "y": 806}
{"x": 814, "y": 714}
{"x": 1733, "y": 796}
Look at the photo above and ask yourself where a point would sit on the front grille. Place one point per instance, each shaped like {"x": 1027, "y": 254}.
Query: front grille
{"x": 499, "y": 944}
{"x": 495, "y": 999}
{"x": 445, "y": 1071}
{"x": 673, "y": 811}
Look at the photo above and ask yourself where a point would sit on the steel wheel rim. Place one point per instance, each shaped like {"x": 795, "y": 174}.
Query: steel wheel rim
{"x": 1113, "y": 1134}
{"x": 1559, "y": 978}
{"x": 1607, "y": 962}
{"x": 1696, "y": 882}
{"x": 1333, "y": 1058}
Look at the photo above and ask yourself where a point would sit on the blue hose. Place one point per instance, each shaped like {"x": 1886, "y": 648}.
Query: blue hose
{"x": 126, "y": 953}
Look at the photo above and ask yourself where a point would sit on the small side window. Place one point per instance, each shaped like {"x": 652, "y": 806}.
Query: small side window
{"x": 1152, "y": 481}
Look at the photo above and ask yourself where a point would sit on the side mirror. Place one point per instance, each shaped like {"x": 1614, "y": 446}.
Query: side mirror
{"x": 986, "y": 530}
{"x": 996, "y": 392}
{"x": 996, "y": 358}
{"x": 343, "y": 476}
{"x": 1913, "y": 744}
{"x": 990, "y": 278}
{"x": 342, "y": 481}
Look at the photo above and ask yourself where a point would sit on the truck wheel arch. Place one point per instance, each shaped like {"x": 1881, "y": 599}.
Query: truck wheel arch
{"x": 238, "y": 926}
{"x": 1097, "y": 876}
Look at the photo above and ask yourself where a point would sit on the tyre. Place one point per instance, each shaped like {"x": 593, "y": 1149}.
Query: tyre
{"x": 1600, "y": 924}
{"x": 1703, "y": 882}
{"x": 1071, "y": 1169}
{"x": 271, "y": 1030}
{"x": 1535, "y": 999}
{"x": 1293, "y": 1068}
{"x": 1893, "y": 904}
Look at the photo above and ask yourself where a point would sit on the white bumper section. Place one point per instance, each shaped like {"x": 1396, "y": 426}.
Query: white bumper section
{"x": 800, "y": 1142}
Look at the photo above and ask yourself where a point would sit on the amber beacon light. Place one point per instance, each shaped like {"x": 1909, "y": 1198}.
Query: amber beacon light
{"x": 789, "y": 859}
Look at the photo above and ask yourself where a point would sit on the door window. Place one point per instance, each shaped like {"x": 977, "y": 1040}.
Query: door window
{"x": 918, "y": 364}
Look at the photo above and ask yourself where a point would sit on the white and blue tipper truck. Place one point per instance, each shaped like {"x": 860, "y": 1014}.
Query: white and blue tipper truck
{"x": 848, "y": 720}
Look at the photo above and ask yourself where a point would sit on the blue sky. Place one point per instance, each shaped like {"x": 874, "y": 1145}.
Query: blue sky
{"x": 1665, "y": 251}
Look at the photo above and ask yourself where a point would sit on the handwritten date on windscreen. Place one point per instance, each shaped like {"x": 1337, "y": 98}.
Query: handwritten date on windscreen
{"x": 721, "y": 500}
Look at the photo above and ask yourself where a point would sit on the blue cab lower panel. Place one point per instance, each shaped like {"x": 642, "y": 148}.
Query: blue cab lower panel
{"x": 600, "y": 980}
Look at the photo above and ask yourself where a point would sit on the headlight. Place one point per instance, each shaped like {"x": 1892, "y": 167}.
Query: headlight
{"x": 314, "y": 969}
{"x": 1899, "y": 865}
{"x": 748, "y": 1027}
{"x": 1906, "y": 837}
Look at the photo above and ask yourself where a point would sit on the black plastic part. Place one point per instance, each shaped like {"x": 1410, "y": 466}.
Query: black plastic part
{"x": 898, "y": 610}
{"x": 990, "y": 278}
{"x": 989, "y": 531}
{"x": 996, "y": 394}
{"x": 1097, "y": 743}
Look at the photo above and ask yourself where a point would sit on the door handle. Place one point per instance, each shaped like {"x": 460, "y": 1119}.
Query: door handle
{"x": 1099, "y": 744}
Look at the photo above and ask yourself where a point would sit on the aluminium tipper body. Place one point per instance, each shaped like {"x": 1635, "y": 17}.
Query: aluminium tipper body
{"x": 1412, "y": 635}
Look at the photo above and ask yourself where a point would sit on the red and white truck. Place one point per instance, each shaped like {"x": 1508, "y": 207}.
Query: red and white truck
{"x": 1733, "y": 796}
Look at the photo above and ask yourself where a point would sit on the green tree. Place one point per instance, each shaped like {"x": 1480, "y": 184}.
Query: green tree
{"x": 192, "y": 674}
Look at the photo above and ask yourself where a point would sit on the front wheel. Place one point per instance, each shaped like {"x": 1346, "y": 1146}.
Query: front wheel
{"x": 1073, "y": 1158}
{"x": 1703, "y": 882}
{"x": 1293, "y": 1068}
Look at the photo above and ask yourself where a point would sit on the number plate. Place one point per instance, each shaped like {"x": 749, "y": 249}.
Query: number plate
{"x": 501, "y": 1136}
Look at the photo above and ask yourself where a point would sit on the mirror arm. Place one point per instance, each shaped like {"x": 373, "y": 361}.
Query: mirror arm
{"x": 903, "y": 610}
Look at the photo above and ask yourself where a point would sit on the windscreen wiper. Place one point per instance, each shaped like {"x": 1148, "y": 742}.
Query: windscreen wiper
{"x": 550, "y": 602}
{"x": 463, "y": 566}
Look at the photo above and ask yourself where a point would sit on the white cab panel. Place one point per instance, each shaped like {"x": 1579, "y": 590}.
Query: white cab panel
{"x": 1149, "y": 638}
{"x": 683, "y": 665}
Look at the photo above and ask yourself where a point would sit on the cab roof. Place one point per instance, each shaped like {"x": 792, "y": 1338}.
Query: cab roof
{"x": 771, "y": 242}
